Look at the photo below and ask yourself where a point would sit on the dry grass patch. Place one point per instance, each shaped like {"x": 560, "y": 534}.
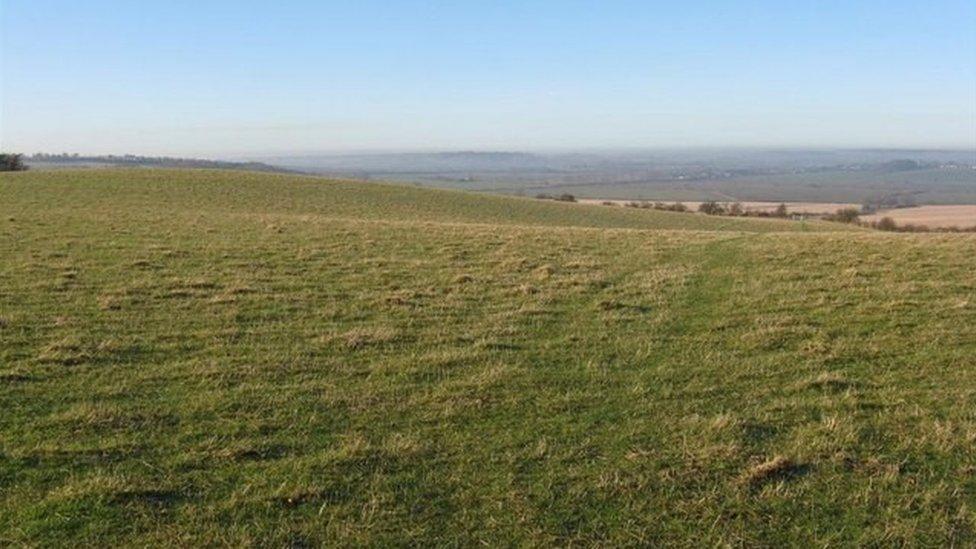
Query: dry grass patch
{"x": 73, "y": 350}
{"x": 67, "y": 351}
{"x": 110, "y": 302}
{"x": 777, "y": 332}
{"x": 829, "y": 381}
{"x": 248, "y": 451}
{"x": 871, "y": 466}
{"x": 239, "y": 289}
{"x": 544, "y": 272}
{"x": 778, "y": 468}
{"x": 359, "y": 338}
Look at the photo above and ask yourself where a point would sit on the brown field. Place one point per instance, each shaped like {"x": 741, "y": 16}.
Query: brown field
{"x": 934, "y": 217}
{"x": 812, "y": 208}
{"x": 963, "y": 216}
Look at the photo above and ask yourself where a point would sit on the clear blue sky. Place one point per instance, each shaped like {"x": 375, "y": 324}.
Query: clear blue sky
{"x": 215, "y": 77}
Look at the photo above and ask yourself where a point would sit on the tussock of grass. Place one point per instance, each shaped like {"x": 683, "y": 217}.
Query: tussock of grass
{"x": 776, "y": 468}
{"x": 88, "y": 415}
{"x": 67, "y": 351}
{"x": 359, "y": 338}
{"x": 15, "y": 377}
{"x": 829, "y": 381}
{"x": 544, "y": 272}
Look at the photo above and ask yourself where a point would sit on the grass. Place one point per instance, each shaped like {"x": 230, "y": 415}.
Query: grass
{"x": 192, "y": 358}
{"x": 287, "y": 197}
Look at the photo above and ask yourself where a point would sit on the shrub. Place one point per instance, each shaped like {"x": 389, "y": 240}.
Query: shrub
{"x": 565, "y": 197}
{"x": 663, "y": 206}
{"x": 845, "y": 215}
{"x": 886, "y": 224}
{"x": 781, "y": 211}
{"x": 676, "y": 207}
{"x": 736, "y": 209}
{"x": 711, "y": 208}
{"x": 12, "y": 163}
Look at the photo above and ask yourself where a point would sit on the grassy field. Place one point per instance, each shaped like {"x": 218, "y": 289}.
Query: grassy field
{"x": 196, "y": 358}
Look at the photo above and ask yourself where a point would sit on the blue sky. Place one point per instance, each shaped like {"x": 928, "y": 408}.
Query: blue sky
{"x": 214, "y": 77}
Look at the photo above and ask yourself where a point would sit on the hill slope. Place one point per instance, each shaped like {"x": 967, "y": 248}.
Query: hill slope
{"x": 253, "y": 193}
{"x": 191, "y": 360}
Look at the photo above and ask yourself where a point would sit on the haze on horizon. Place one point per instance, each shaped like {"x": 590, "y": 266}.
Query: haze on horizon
{"x": 231, "y": 78}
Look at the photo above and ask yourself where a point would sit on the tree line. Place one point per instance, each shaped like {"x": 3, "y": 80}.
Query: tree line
{"x": 12, "y": 162}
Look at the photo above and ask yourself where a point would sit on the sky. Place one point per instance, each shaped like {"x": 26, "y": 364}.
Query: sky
{"x": 236, "y": 78}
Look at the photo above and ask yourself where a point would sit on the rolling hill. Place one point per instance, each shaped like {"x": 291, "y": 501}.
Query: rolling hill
{"x": 200, "y": 357}
{"x": 227, "y": 193}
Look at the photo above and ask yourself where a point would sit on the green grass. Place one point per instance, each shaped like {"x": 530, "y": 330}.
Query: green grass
{"x": 192, "y": 358}
{"x": 224, "y": 193}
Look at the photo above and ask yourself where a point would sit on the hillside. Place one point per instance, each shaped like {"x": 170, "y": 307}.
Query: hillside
{"x": 227, "y": 192}
{"x": 74, "y": 162}
{"x": 200, "y": 358}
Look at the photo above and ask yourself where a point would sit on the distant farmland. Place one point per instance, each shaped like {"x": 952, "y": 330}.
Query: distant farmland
{"x": 931, "y": 216}
{"x": 199, "y": 358}
{"x": 918, "y": 187}
{"x": 854, "y": 176}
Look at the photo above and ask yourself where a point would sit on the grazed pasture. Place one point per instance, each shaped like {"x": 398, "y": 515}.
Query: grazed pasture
{"x": 192, "y": 358}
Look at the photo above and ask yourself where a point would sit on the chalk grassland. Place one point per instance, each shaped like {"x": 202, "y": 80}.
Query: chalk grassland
{"x": 189, "y": 361}
{"x": 218, "y": 193}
